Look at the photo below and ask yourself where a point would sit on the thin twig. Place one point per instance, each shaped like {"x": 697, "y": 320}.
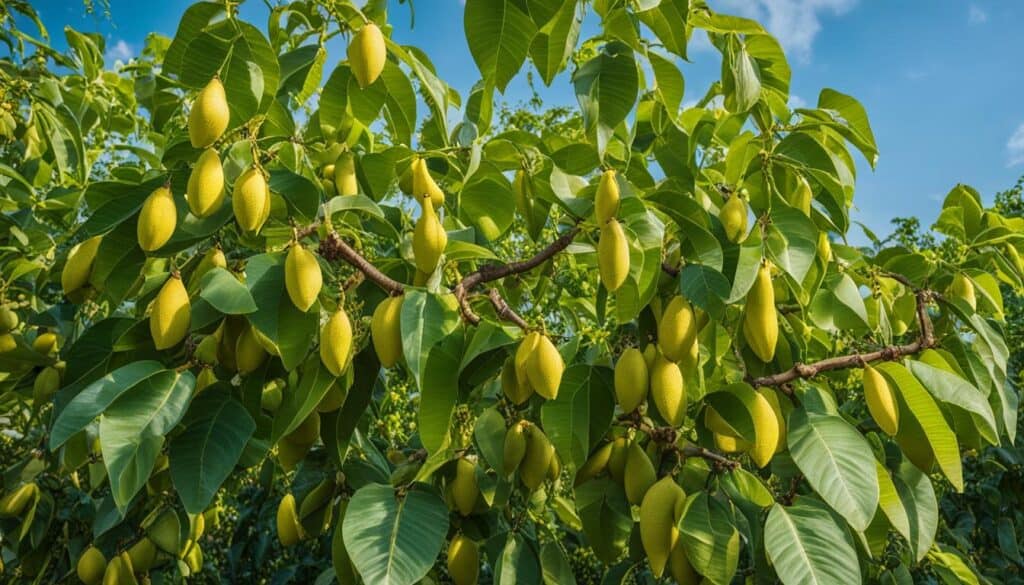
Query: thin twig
{"x": 504, "y": 311}
{"x": 333, "y": 247}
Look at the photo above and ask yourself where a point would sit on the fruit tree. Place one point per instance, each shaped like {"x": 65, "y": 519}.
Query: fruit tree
{"x": 634, "y": 346}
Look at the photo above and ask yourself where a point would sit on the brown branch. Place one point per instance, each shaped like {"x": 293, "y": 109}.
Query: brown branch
{"x": 333, "y": 248}
{"x": 709, "y": 455}
{"x": 504, "y": 311}
{"x": 670, "y": 270}
{"x": 669, "y": 435}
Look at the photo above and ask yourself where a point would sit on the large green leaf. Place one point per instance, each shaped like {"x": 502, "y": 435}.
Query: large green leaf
{"x": 581, "y": 414}
{"x": 225, "y": 293}
{"x": 394, "y": 539}
{"x": 606, "y": 517}
{"x": 808, "y": 546}
{"x": 300, "y": 401}
{"x": 556, "y": 40}
{"x": 338, "y": 427}
{"x": 426, "y": 319}
{"x": 667, "y": 18}
{"x": 918, "y": 498}
{"x": 440, "y": 390}
{"x": 957, "y": 393}
{"x": 708, "y": 532}
{"x": 606, "y": 88}
{"x": 499, "y": 35}
{"x": 518, "y": 562}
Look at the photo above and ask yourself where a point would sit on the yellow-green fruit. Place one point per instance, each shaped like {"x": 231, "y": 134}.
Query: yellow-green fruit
{"x": 75, "y": 275}
{"x": 463, "y": 561}
{"x": 120, "y": 571}
{"x": 802, "y": 196}
{"x": 963, "y": 289}
{"x": 336, "y": 342}
{"x": 307, "y": 432}
{"x": 328, "y": 172}
{"x": 194, "y": 559}
{"x": 213, "y": 258}
{"x": 730, "y": 444}
{"x": 423, "y": 183}
{"x": 521, "y": 189}
{"x": 205, "y": 192}
{"x": 650, "y": 354}
{"x": 386, "y": 331}
{"x": 198, "y": 526}
{"x": 514, "y": 448}
{"x": 595, "y": 465}
{"x": 45, "y": 343}
{"x": 91, "y": 566}
{"x": 289, "y": 532}
{"x": 545, "y": 368}
{"x": 428, "y": 239}
{"x": 249, "y": 354}
{"x": 617, "y": 458}
{"x": 165, "y": 532}
{"x": 881, "y": 402}
{"x": 606, "y": 201}
{"x": 631, "y": 379}
{"x": 715, "y": 423}
{"x": 367, "y": 54}
{"x": 46, "y": 384}
{"x": 677, "y": 329}
{"x": 289, "y": 454}
{"x": 143, "y": 555}
{"x": 302, "y": 277}
{"x": 250, "y": 200}
{"x": 761, "y": 321}
{"x": 639, "y": 474}
{"x": 780, "y": 417}
{"x": 209, "y": 116}
{"x": 171, "y": 314}
{"x": 734, "y": 218}
{"x": 206, "y": 351}
{"x": 345, "y": 181}
{"x": 317, "y": 508}
{"x": 8, "y": 319}
{"x": 272, "y": 394}
{"x": 555, "y": 466}
{"x": 536, "y": 460}
{"x": 333, "y": 399}
{"x": 157, "y": 219}
{"x": 464, "y": 487}
{"x": 766, "y": 428}
{"x": 524, "y": 352}
{"x": 14, "y": 503}
{"x": 668, "y": 392}
{"x": 516, "y": 390}
{"x": 680, "y": 568}
{"x": 658, "y": 516}
{"x": 613, "y": 255}
{"x": 824, "y": 248}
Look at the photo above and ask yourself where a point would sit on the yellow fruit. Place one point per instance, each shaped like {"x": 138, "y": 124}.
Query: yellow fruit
{"x": 46, "y": 384}
{"x": 613, "y": 255}
{"x": 289, "y": 532}
{"x": 367, "y": 54}
{"x": 650, "y": 353}
{"x": 345, "y": 181}
{"x": 336, "y": 342}
{"x": 302, "y": 277}
{"x": 516, "y": 390}
{"x": 119, "y": 571}
{"x": 463, "y": 561}
{"x": 249, "y": 354}
{"x": 143, "y": 555}
{"x": 617, "y": 458}
{"x": 289, "y": 454}
{"x": 963, "y": 289}
{"x": 386, "y": 331}
{"x": 679, "y": 566}
{"x": 213, "y": 258}
{"x": 157, "y": 219}
{"x": 606, "y": 201}
{"x": 802, "y": 196}
{"x": 881, "y": 402}
{"x": 464, "y": 487}
{"x": 205, "y": 192}
{"x": 715, "y": 423}
{"x": 14, "y": 503}
{"x": 91, "y": 566}
{"x": 524, "y": 352}
{"x": 595, "y": 465}
{"x": 761, "y": 321}
{"x": 8, "y": 319}
{"x": 639, "y": 474}
{"x": 536, "y": 460}
{"x": 428, "y": 239}
{"x": 659, "y": 513}
{"x": 514, "y": 448}
{"x": 307, "y": 432}
{"x": 75, "y": 275}
{"x": 194, "y": 559}
{"x": 555, "y": 466}
{"x": 45, "y": 343}
{"x": 766, "y": 427}
{"x": 631, "y": 379}
{"x": 165, "y": 532}
{"x": 668, "y": 392}
{"x": 824, "y": 248}
{"x": 423, "y": 183}
{"x": 209, "y": 116}
{"x": 333, "y": 399}
{"x": 250, "y": 200}
{"x": 734, "y": 218}
{"x": 171, "y": 314}
{"x": 729, "y": 444}
{"x": 780, "y": 417}
{"x": 544, "y": 368}
{"x": 677, "y": 330}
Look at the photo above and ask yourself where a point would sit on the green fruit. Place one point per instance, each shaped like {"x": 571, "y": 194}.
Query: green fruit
{"x": 802, "y": 196}
{"x": 46, "y": 384}
{"x": 429, "y": 239}
{"x": 617, "y": 458}
{"x": 8, "y": 319}
{"x": 302, "y": 277}
{"x": 536, "y": 460}
{"x": 250, "y": 200}
{"x": 613, "y": 255}
{"x": 336, "y": 342}
{"x": 270, "y": 398}
{"x": 333, "y": 399}
{"x": 209, "y": 116}
{"x": 75, "y": 452}
{"x": 963, "y": 289}
{"x": 824, "y": 248}
{"x": 14, "y": 503}
{"x": 761, "y": 320}
{"x": 464, "y": 487}
{"x": 545, "y": 368}
{"x": 423, "y": 183}
{"x": 606, "y": 201}
{"x": 249, "y": 354}
{"x": 514, "y": 448}
{"x": 171, "y": 314}
{"x": 206, "y": 351}
{"x": 307, "y": 432}
{"x": 91, "y": 566}
{"x": 679, "y": 566}
{"x": 595, "y": 465}
{"x": 45, "y": 343}
{"x": 289, "y": 454}
{"x": 317, "y": 508}
{"x": 880, "y": 400}
{"x": 659, "y": 513}
{"x": 639, "y": 474}
{"x": 668, "y": 392}
{"x": 463, "y": 561}
{"x": 386, "y": 331}
{"x": 120, "y": 571}
{"x": 734, "y": 218}
{"x": 75, "y": 275}
{"x": 517, "y": 391}
{"x": 205, "y": 192}
{"x": 677, "y": 329}
{"x": 143, "y": 555}
{"x": 367, "y": 54}
{"x": 165, "y": 532}
{"x": 157, "y": 220}
{"x": 345, "y": 181}
{"x": 289, "y": 531}
{"x": 631, "y": 379}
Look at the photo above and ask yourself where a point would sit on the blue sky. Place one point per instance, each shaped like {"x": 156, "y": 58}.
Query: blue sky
{"x": 942, "y": 81}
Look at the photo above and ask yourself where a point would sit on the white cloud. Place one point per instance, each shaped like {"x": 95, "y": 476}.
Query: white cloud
{"x": 796, "y": 101}
{"x": 1015, "y": 147}
{"x": 795, "y": 23}
{"x": 120, "y": 51}
{"x": 975, "y": 15}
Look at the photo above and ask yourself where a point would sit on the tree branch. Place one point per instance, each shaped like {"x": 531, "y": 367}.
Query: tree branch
{"x": 504, "y": 311}
{"x": 670, "y": 270}
{"x": 669, "y": 435}
{"x": 333, "y": 248}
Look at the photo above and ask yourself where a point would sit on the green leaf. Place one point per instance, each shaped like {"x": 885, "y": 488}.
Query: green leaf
{"x": 556, "y": 568}
{"x": 291, "y": 330}
{"x": 807, "y": 546}
{"x": 959, "y": 394}
{"x": 217, "y": 428}
{"x": 670, "y": 82}
{"x": 394, "y": 539}
{"x": 225, "y": 293}
{"x": 854, "y": 118}
{"x": 837, "y": 461}
{"x": 581, "y": 414}
{"x": 607, "y": 520}
{"x": 499, "y": 35}
{"x": 606, "y": 88}
{"x": 838, "y": 306}
{"x": 667, "y": 18}
{"x": 890, "y": 504}
{"x": 556, "y": 41}
{"x": 518, "y": 562}
{"x": 488, "y": 203}
{"x": 741, "y": 484}
{"x": 918, "y": 498}
{"x": 337, "y": 428}
{"x": 193, "y": 21}
{"x": 426, "y": 319}
{"x": 792, "y": 241}
{"x": 705, "y": 287}
{"x": 710, "y": 538}
{"x": 299, "y": 402}
{"x": 440, "y": 391}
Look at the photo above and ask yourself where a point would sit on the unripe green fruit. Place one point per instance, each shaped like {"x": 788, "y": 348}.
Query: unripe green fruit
{"x": 249, "y": 354}
{"x": 677, "y": 329}
{"x": 631, "y": 379}
{"x": 14, "y": 503}
{"x": 429, "y": 239}
{"x": 206, "y": 351}
{"x": 595, "y": 465}
{"x": 205, "y": 192}
{"x": 617, "y": 458}
{"x": 803, "y": 195}
{"x": 824, "y": 248}
{"x": 165, "y": 532}
{"x": 46, "y": 384}
{"x": 963, "y": 289}
{"x": 8, "y": 319}
{"x": 537, "y": 460}
{"x": 639, "y": 474}
{"x": 463, "y": 561}
{"x": 143, "y": 555}
{"x": 250, "y": 200}
{"x": 734, "y": 218}
{"x": 333, "y": 399}
{"x": 336, "y": 342}
{"x": 289, "y": 532}
{"x": 157, "y": 220}
{"x": 209, "y": 116}
{"x": 273, "y": 393}
{"x": 91, "y": 566}
{"x": 464, "y": 487}
{"x": 367, "y": 54}
{"x": 307, "y": 432}
{"x": 302, "y": 277}
{"x": 74, "y": 276}
{"x": 120, "y": 571}
{"x": 289, "y": 454}
{"x": 555, "y": 466}
{"x": 659, "y": 513}
{"x": 668, "y": 392}
{"x": 345, "y": 181}
{"x": 761, "y": 320}
{"x": 423, "y": 183}
{"x": 880, "y": 400}
{"x": 386, "y": 331}
{"x": 545, "y": 368}
{"x": 171, "y": 314}
{"x": 514, "y": 448}
{"x": 606, "y": 200}
{"x": 613, "y": 255}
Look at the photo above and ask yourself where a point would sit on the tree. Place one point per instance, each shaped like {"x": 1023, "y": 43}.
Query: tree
{"x": 631, "y": 343}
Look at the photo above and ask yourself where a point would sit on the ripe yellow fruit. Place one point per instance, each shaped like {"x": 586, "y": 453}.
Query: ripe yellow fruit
{"x": 659, "y": 512}
{"x": 617, "y": 458}
{"x": 631, "y": 379}
{"x": 668, "y": 392}
{"x": 249, "y": 354}
{"x": 45, "y": 343}
{"x": 205, "y": 192}
{"x": 463, "y": 561}
{"x": 194, "y": 559}
{"x": 250, "y": 200}
{"x": 715, "y": 423}
{"x": 802, "y": 196}
{"x": 386, "y": 331}
{"x": 824, "y": 248}
{"x": 213, "y": 258}
{"x": 302, "y": 277}
{"x": 171, "y": 314}
{"x": 881, "y": 402}
{"x": 367, "y": 54}
{"x": 544, "y": 368}
{"x": 516, "y": 390}
{"x": 209, "y": 116}
{"x": 289, "y": 531}
{"x": 46, "y": 384}
{"x": 428, "y": 238}
{"x": 761, "y": 321}
{"x": 76, "y": 272}
{"x": 464, "y": 487}
{"x": 345, "y": 181}
{"x": 679, "y": 566}
{"x": 14, "y": 503}
{"x": 606, "y": 201}
{"x": 766, "y": 426}
{"x": 423, "y": 183}
{"x": 963, "y": 289}
{"x": 157, "y": 219}
{"x": 613, "y": 255}
{"x": 677, "y": 330}
{"x": 91, "y": 566}
{"x": 734, "y": 218}
{"x": 536, "y": 460}
{"x": 639, "y": 474}
{"x": 650, "y": 353}
{"x": 143, "y": 555}
{"x": 773, "y": 400}
{"x": 524, "y": 352}
{"x": 514, "y": 448}
{"x": 730, "y": 444}
{"x": 336, "y": 342}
